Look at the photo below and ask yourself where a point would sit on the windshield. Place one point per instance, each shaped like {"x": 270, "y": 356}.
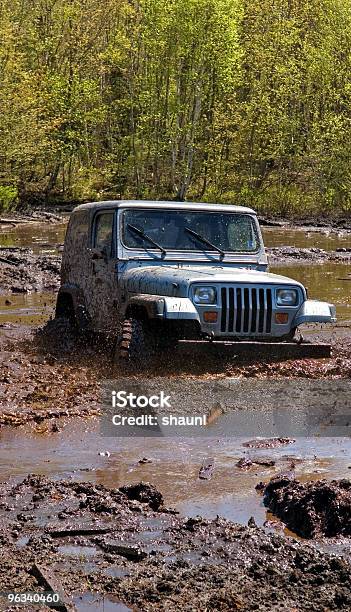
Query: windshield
{"x": 190, "y": 230}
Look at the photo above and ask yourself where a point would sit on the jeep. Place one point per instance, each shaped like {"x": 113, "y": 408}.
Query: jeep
{"x": 153, "y": 273}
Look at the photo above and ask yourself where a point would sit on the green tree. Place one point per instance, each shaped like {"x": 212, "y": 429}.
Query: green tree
{"x": 229, "y": 100}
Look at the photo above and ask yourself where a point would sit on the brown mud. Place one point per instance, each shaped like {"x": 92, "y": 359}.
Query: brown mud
{"x": 26, "y": 217}
{"x": 87, "y": 539}
{"x": 289, "y": 255}
{"x": 121, "y": 542}
{"x": 22, "y": 271}
{"x": 321, "y": 223}
{"x": 311, "y": 509}
{"x": 268, "y": 443}
{"x": 41, "y": 385}
{"x": 51, "y": 374}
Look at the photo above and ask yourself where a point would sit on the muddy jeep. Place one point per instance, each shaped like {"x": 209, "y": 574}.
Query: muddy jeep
{"x": 153, "y": 273}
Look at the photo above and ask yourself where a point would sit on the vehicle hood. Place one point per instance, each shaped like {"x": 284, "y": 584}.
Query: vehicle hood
{"x": 175, "y": 280}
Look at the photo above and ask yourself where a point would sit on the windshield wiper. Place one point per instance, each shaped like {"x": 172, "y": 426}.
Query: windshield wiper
{"x": 204, "y": 240}
{"x": 142, "y": 234}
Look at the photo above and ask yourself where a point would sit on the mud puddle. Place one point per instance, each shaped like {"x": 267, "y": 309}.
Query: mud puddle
{"x": 330, "y": 282}
{"x": 91, "y": 602}
{"x": 173, "y": 465}
{"x": 27, "y": 308}
{"x": 218, "y": 564}
{"x": 42, "y": 238}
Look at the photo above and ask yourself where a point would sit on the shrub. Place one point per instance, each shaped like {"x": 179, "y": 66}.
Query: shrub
{"x": 8, "y": 197}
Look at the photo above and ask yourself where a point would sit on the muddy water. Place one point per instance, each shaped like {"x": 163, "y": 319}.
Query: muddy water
{"x": 174, "y": 467}
{"x": 324, "y": 281}
{"x": 41, "y": 237}
{"x": 26, "y": 308}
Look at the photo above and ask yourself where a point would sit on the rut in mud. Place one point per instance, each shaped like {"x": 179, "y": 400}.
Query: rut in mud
{"x": 88, "y": 537}
{"x": 311, "y": 509}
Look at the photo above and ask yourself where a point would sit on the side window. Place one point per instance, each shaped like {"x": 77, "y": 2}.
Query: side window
{"x": 78, "y": 227}
{"x": 103, "y": 232}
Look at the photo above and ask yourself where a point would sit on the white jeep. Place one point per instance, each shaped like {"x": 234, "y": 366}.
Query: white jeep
{"x": 153, "y": 273}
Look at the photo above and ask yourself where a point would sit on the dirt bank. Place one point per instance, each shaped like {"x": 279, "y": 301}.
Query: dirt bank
{"x": 22, "y": 272}
{"x": 286, "y": 255}
{"x": 85, "y": 538}
{"x": 312, "y": 224}
{"x": 32, "y": 217}
{"x": 311, "y": 509}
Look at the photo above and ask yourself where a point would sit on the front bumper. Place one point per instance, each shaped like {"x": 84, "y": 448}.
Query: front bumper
{"x": 248, "y": 313}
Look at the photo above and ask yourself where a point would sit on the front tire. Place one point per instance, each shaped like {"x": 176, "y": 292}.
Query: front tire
{"x": 136, "y": 344}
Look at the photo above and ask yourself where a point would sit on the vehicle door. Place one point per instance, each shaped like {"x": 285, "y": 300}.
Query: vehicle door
{"x": 102, "y": 295}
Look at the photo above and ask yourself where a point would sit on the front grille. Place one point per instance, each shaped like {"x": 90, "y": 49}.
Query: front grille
{"x": 246, "y": 310}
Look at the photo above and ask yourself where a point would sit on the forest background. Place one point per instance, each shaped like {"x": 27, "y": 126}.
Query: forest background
{"x": 240, "y": 101}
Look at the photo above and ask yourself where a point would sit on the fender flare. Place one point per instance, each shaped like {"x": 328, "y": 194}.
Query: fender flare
{"x": 151, "y": 306}
{"x": 164, "y": 307}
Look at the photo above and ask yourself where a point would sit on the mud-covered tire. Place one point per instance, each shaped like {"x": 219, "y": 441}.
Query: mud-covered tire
{"x": 78, "y": 317}
{"x": 136, "y": 344}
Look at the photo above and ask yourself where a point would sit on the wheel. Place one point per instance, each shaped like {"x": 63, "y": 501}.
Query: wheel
{"x": 290, "y": 337}
{"x": 136, "y": 343}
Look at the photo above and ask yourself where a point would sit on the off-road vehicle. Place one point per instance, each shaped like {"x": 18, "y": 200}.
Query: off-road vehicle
{"x": 153, "y": 273}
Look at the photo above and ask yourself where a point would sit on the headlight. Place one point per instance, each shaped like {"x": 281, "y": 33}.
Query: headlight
{"x": 205, "y": 295}
{"x": 287, "y": 297}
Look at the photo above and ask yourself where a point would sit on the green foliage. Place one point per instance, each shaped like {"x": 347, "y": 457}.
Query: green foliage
{"x": 8, "y": 197}
{"x": 230, "y": 100}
